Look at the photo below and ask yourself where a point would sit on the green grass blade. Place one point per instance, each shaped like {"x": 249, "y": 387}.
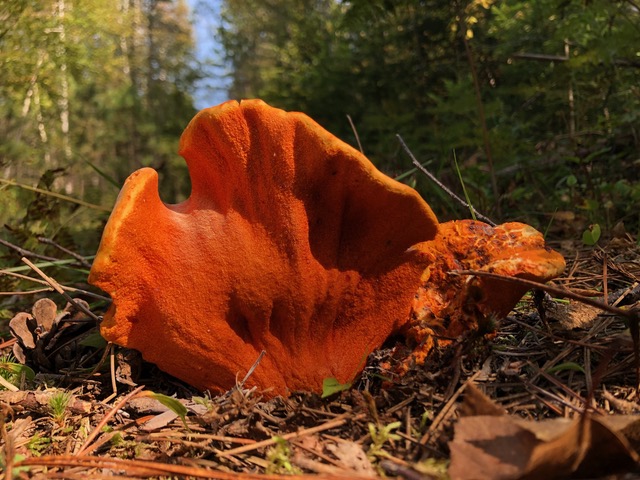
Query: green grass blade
{"x": 57, "y": 263}
{"x": 464, "y": 188}
{"x": 60, "y": 196}
{"x": 408, "y": 173}
{"x": 103, "y": 174}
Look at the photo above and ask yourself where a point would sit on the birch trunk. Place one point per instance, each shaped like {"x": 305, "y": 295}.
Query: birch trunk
{"x": 42, "y": 130}
{"x": 63, "y": 103}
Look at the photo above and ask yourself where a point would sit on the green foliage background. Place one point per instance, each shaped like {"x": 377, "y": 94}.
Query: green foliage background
{"x": 540, "y": 101}
{"x": 557, "y": 83}
{"x": 90, "y": 91}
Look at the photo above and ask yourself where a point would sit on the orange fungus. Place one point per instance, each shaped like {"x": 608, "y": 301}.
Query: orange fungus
{"x": 291, "y": 242}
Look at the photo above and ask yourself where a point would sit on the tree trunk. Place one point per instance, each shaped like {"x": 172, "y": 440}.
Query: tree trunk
{"x": 63, "y": 102}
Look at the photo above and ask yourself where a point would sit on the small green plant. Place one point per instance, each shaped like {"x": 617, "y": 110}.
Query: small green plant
{"x": 117, "y": 440}
{"x": 5, "y": 372}
{"x": 571, "y": 366}
{"x": 58, "y": 404}
{"x": 472, "y": 210}
{"x": 591, "y": 235}
{"x": 424, "y": 419}
{"x": 205, "y": 401}
{"x": 94, "y": 340}
{"x": 380, "y": 435}
{"x": 433, "y": 468}
{"x": 13, "y": 372}
{"x": 16, "y": 471}
{"x": 331, "y": 385}
{"x": 171, "y": 403}
{"x": 279, "y": 458}
{"x": 37, "y": 444}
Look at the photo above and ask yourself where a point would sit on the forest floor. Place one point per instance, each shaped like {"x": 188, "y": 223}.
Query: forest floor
{"x": 558, "y": 400}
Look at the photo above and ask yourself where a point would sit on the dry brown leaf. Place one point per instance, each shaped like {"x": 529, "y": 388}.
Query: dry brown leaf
{"x": 507, "y": 447}
{"x": 146, "y": 405}
{"x": 559, "y": 457}
{"x": 44, "y": 311}
{"x": 490, "y": 447}
{"x": 129, "y": 365}
{"x": 352, "y": 457}
{"x": 159, "y": 421}
{"x": 608, "y": 451}
{"x": 309, "y": 449}
{"x": 477, "y": 403}
{"x": 572, "y": 315}
{"x": 628, "y": 425}
{"x": 22, "y": 326}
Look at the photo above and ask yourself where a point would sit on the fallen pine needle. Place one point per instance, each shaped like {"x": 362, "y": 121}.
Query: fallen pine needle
{"x": 96, "y": 431}
{"x": 289, "y": 436}
{"x": 150, "y": 468}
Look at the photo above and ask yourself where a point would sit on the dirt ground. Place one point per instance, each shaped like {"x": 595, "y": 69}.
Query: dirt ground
{"x": 551, "y": 394}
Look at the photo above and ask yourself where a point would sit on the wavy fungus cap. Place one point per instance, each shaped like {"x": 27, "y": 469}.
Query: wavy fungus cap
{"x": 291, "y": 242}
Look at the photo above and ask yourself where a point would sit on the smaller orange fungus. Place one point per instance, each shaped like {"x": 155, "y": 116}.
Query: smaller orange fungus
{"x": 448, "y": 305}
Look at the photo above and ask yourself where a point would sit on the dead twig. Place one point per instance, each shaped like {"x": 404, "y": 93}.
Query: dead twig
{"x": 27, "y": 292}
{"x": 27, "y": 253}
{"x": 337, "y": 422}
{"x": 58, "y": 288}
{"x": 560, "y": 292}
{"x": 79, "y": 258}
{"x": 442, "y": 186}
{"x": 42, "y": 282}
{"x": 446, "y": 409}
{"x": 251, "y": 370}
{"x": 145, "y": 468}
{"x": 98, "y": 428}
{"x": 9, "y": 450}
{"x": 60, "y": 196}
{"x": 355, "y": 132}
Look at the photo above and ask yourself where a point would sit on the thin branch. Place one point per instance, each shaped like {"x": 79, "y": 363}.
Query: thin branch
{"x": 58, "y": 288}
{"x": 147, "y": 468}
{"x": 560, "y": 292}
{"x": 483, "y": 122}
{"x": 8, "y": 385}
{"x": 60, "y": 196}
{"x": 98, "y": 428}
{"x": 42, "y": 282}
{"x": 404, "y": 175}
{"x": 337, "y": 422}
{"x": 445, "y": 411}
{"x": 441, "y": 185}
{"x": 108, "y": 352}
{"x": 253, "y": 367}
{"x": 26, "y": 253}
{"x": 355, "y": 132}
{"x": 27, "y": 292}
{"x": 80, "y": 258}
{"x": 541, "y": 57}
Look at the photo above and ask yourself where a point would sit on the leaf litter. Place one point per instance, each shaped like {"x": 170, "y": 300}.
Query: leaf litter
{"x": 550, "y": 395}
